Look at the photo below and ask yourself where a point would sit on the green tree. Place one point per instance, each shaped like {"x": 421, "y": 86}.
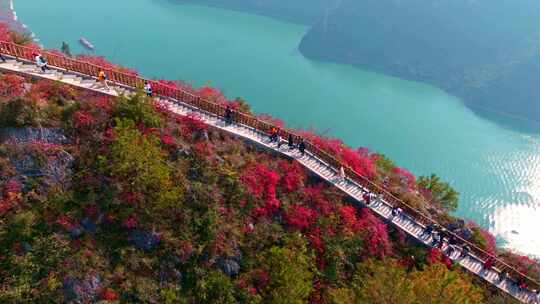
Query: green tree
{"x": 19, "y": 112}
{"x": 381, "y": 282}
{"x": 215, "y": 288}
{"x": 138, "y": 161}
{"x": 290, "y": 275}
{"x": 441, "y": 192}
{"x": 387, "y": 282}
{"x": 137, "y": 108}
{"x": 437, "y": 285}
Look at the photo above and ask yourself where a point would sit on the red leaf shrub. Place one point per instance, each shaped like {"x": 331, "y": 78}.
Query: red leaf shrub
{"x": 293, "y": 175}
{"x": 300, "y": 217}
{"x": 261, "y": 278}
{"x": 360, "y": 160}
{"x": 260, "y": 181}
{"x": 167, "y": 140}
{"x": 208, "y": 92}
{"x": 5, "y": 206}
{"x": 82, "y": 119}
{"x": 407, "y": 179}
{"x": 491, "y": 242}
{"x": 161, "y": 107}
{"x": 131, "y": 222}
{"x": 5, "y": 32}
{"x": 374, "y": 233}
{"x": 11, "y": 86}
{"x": 190, "y": 123}
{"x": 65, "y": 222}
{"x": 349, "y": 218}
{"x": 435, "y": 255}
{"x": 50, "y": 90}
{"x": 318, "y": 200}
{"x": 108, "y": 294}
{"x": 10, "y": 195}
{"x": 315, "y": 239}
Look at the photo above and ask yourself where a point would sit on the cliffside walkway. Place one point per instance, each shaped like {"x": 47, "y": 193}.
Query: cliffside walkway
{"x": 411, "y": 221}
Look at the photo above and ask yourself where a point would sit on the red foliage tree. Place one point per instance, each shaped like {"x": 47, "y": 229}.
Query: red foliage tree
{"x": 190, "y": 123}
{"x": 408, "y": 180}
{"x": 261, "y": 182}
{"x": 108, "y": 294}
{"x": 300, "y": 217}
{"x": 374, "y": 233}
{"x": 9, "y": 196}
{"x": 49, "y": 90}
{"x": 318, "y": 199}
{"x": 348, "y": 218}
{"x": 293, "y": 175}
{"x": 11, "y": 86}
{"x": 82, "y": 119}
{"x": 5, "y": 32}
{"x": 435, "y": 255}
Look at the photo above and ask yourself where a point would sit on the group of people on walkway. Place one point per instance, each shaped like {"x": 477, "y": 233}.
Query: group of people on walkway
{"x": 440, "y": 236}
{"x": 275, "y": 137}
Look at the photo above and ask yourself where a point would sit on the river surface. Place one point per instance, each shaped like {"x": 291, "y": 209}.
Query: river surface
{"x": 496, "y": 169}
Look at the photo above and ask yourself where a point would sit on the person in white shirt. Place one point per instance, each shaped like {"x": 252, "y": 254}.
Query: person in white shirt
{"x": 40, "y": 62}
{"x": 148, "y": 89}
{"x": 342, "y": 175}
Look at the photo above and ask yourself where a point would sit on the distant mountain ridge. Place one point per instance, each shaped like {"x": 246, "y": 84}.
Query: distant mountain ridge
{"x": 485, "y": 52}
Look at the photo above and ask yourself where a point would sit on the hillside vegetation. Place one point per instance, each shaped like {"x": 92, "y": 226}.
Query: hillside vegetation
{"x": 120, "y": 200}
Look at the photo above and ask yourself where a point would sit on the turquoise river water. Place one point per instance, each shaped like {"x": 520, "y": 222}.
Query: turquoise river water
{"x": 496, "y": 169}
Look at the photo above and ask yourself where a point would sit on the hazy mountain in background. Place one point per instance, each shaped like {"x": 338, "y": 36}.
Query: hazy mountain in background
{"x": 485, "y": 51}
{"x": 296, "y": 11}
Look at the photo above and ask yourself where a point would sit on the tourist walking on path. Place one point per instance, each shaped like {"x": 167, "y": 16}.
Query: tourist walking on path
{"x": 148, "y": 89}
{"x": 273, "y": 135}
{"x": 302, "y": 146}
{"x": 465, "y": 250}
{"x": 41, "y": 63}
{"x": 537, "y": 297}
{"x": 488, "y": 263}
{"x": 228, "y": 115}
{"x": 396, "y": 211}
{"x": 503, "y": 276}
{"x": 342, "y": 175}
{"x": 102, "y": 79}
{"x": 2, "y": 56}
{"x": 291, "y": 141}
{"x": 429, "y": 230}
{"x": 367, "y": 198}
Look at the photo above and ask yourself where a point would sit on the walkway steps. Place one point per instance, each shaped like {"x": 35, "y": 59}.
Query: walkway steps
{"x": 309, "y": 161}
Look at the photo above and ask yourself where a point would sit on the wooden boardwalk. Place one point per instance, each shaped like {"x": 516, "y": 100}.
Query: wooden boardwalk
{"x": 378, "y": 205}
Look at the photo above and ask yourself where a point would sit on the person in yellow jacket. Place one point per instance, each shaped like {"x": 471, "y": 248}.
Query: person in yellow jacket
{"x": 102, "y": 79}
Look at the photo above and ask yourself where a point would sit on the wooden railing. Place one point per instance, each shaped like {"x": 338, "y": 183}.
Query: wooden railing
{"x": 134, "y": 81}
